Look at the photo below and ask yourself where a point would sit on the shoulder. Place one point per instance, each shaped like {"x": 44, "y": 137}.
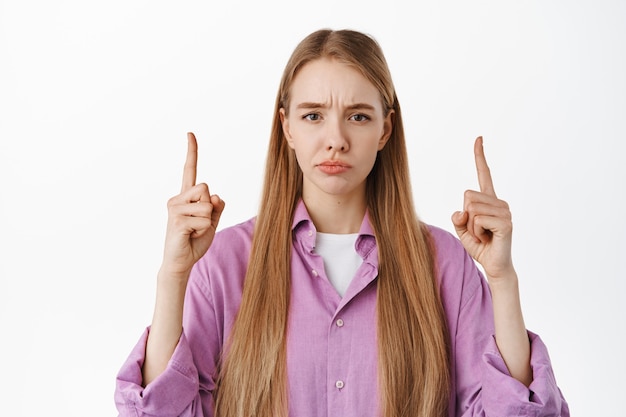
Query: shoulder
{"x": 447, "y": 246}
{"x": 457, "y": 273}
{"x": 236, "y": 237}
{"x": 227, "y": 257}
{"x": 216, "y": 281}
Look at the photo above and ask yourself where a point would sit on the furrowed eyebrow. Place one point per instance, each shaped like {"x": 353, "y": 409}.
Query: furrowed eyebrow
{"x": 310, "y": 105}
{"x": 361, "y": 106}
{"x": 356, "y": 106}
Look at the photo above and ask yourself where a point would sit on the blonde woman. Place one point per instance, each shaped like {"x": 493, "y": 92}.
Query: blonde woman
{"x": 335, "y": 300}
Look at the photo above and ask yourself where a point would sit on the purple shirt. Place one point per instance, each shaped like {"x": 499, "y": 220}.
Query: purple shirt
{"x": 331, "y": 345}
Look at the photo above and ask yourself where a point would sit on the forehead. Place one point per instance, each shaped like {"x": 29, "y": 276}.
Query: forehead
{"x": 330, "y": 81}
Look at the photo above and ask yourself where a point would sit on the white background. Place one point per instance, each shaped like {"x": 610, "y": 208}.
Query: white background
{"x": 96, "y": 99}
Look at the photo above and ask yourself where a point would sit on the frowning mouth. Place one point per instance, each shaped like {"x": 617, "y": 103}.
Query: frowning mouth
{"x": 333, "y": 167}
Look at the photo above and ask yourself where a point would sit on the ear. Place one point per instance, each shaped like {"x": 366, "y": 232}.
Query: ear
{"x": 284, "y": 121}
{"x": 387, "y": 129}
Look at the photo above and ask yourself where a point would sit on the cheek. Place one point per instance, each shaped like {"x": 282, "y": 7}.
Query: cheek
{"x": 370, "y": 153}
{"x": 305, "y": 139}
{"x": 302, "y": 149}
{"x": 371, "y": 143}
{"x": 304, "y": 131}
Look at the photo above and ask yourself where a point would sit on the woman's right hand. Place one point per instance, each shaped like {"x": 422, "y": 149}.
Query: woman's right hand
{"x": 193, "y": 216}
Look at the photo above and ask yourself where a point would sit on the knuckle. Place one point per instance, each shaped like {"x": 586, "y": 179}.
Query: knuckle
{"x": 178, "y": 222}
{"x": 468, "y": 194}
{"x": 172, "y": 202}
{"x": 203, "y": 187}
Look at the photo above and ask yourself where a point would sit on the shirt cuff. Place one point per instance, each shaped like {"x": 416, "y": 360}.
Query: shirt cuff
{"x": 169, "y": 394}
{"x": 503, "y": 395}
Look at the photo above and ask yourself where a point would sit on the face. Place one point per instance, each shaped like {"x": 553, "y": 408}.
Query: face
{"x": 336, "y": 126}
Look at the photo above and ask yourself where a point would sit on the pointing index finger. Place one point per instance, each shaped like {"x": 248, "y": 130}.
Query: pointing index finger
{"x": 189, "y": 172}
{"x": 484, "y": 174}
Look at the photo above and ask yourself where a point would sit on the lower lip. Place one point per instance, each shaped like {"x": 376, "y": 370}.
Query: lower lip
{"x": 332, "y": 169}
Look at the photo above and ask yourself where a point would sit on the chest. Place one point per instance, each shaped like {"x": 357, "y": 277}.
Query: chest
{"x": 331, "y": 342}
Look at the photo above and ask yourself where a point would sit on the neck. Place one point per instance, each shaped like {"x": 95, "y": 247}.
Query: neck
{"x": 336, "y": 214}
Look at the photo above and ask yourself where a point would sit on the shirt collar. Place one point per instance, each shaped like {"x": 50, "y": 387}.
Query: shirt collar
{"x": 301, "y": 215}
{"x": 303, "y": 232}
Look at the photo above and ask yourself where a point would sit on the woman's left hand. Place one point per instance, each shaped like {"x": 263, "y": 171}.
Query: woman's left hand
{"x": 484, "y": 226}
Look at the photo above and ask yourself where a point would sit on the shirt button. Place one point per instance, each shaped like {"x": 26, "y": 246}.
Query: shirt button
{"x": 339, "y": 384}
{"x": 314, "y": 272}
{"x": 339, "y": 323}
{"x": 310, "y": 232}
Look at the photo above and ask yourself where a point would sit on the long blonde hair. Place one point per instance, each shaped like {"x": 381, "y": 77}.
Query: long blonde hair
{"x": 412, "y": 332}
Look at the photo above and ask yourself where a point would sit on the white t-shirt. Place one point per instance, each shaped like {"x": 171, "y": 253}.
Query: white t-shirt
{"x": 340, "y": 258}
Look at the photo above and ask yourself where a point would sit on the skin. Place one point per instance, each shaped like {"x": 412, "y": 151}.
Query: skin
{"x": 335, "y": 117}
{"x": 193, "y": 216}
{"x": 485, "y": 228}
{"x": 336, "y": 125}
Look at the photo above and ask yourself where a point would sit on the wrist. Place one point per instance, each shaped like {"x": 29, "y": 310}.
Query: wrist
{"x": 172, "y": 275}
{"x": 506, "y": 282}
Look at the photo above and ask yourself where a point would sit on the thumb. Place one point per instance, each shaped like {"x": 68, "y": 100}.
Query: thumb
{"x": 218, "y": 209}
{"x": 459, "y": 220}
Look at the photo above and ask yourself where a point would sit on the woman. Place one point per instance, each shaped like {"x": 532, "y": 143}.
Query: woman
{"x": 335, "y": 300}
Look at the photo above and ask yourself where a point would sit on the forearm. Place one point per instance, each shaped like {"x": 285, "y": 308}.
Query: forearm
{"x": 511, "y": 335}
{"x": 167, "y": 325}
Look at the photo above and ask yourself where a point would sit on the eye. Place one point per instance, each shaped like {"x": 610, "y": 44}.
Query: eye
{"x": 312, "y": 117}
{"x": 360, "y": 117}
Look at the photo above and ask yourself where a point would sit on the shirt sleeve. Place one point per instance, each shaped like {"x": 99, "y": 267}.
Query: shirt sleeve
{"x": 484, "y": 386}
{"x": 173, "y": 393}
{"x": 185, "y": 388}
{"x": 212, "y": 299}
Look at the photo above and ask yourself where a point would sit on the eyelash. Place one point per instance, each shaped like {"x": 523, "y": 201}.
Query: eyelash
{"x": 363, "y": 117}
{"x": 308, "y": 117}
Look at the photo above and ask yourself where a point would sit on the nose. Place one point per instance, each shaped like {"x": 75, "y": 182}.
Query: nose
{"x": 336, "y": 139}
